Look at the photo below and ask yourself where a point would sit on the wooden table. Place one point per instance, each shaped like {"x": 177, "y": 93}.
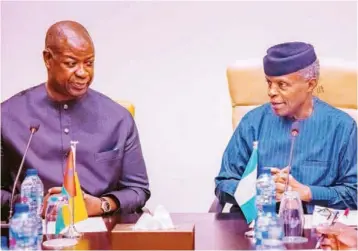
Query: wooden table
{"x": 223, "y": 231}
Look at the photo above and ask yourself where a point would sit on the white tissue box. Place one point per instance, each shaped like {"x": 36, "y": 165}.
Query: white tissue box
{"x": 124, "y": 236}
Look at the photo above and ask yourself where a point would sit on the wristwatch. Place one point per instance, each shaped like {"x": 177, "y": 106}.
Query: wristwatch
{"x": 105, "y": 205}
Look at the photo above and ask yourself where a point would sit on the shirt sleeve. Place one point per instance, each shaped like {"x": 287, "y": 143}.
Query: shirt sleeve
{"x": 5, "y": 177}
{"x": 6, "y": 183}
{"x": 235, "y": 158}
{"x": 343, "y": 194}
{"x": 133, "y": 185}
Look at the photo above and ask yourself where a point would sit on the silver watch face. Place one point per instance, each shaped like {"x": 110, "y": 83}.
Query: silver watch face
{"x": 106, "y": 206}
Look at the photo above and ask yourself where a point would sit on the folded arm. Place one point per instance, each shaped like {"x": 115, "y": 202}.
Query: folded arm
{"x": 133, "y": 187}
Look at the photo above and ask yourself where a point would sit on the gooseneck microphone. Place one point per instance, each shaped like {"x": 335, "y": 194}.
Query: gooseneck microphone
{"x": 294, "y": 132}
{"x": 34, "y": 127}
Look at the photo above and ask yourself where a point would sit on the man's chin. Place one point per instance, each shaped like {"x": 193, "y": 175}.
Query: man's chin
{"x": 76, "y": 93}
{"x": 280, "y": 112}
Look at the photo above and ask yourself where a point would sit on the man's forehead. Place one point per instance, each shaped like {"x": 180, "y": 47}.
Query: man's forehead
{"x": 295, "y": 76}
{"x": 79, "y": 45}
{"x": 73, "y": 36}
{"x": 74, "y": 46}
{"x": 75, "y": 52}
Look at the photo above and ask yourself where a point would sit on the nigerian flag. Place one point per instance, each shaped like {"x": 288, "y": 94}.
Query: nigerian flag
{"x": 245, "y": 193}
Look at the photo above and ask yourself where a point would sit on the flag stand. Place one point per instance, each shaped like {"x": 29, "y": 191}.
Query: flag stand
{"x": 58, "y": 241}
{"x": 69, "y": 236}
{"x": 72, "y": 232}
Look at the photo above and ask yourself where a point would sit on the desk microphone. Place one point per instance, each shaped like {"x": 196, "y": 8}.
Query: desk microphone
{"x": 294, "y": 133}
{"x": 34, "y": 127}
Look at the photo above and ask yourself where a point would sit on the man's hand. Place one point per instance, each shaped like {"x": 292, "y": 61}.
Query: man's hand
{"x": 51, "y": 191}
{"x": 275, "y": 172}
{"x": 338, "y": 237}
{"x": 280, "y": 178}
{"x": 93, "y": 205}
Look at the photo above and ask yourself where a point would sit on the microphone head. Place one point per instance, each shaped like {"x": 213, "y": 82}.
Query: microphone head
{"x": 295, "y": 129}
{"x": 34, "y": 126}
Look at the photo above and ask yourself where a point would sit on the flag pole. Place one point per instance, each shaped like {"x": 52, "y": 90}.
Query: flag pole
{"x": 72, "y": 231}
{"x": 73, "y": 148}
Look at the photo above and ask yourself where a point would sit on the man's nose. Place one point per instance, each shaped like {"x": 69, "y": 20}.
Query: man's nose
{"x": 81, "y": 72}
{"x": 271, "y": 91}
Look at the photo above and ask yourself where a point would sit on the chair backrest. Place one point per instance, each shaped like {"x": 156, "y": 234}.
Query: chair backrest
{"x": 337, "y": 86}
{"x": 128, "y": 105}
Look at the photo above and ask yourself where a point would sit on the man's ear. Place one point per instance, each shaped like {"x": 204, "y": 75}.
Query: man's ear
{"x": 47, "y": 56}
{"x": 312, "y": 83}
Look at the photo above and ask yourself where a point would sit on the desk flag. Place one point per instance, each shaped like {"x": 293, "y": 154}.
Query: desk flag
{"x": 71, "y": 188}
{"x": 245, "y": 193}
{"x": 69, "y": 183}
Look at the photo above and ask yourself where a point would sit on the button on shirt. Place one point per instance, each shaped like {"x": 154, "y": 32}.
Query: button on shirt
{"x": 109, "y": 158}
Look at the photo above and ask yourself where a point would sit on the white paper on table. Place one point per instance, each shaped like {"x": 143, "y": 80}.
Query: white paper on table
{"x": 308, "y": 221}
{"x": 160, "y": 219}
{"x": 90, "y": 225}
{"x": 312, "y": 221}
{"x": 351, "y": 220}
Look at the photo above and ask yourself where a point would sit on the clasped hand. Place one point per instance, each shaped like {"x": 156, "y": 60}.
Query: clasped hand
{"x": 280, "y": 177}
